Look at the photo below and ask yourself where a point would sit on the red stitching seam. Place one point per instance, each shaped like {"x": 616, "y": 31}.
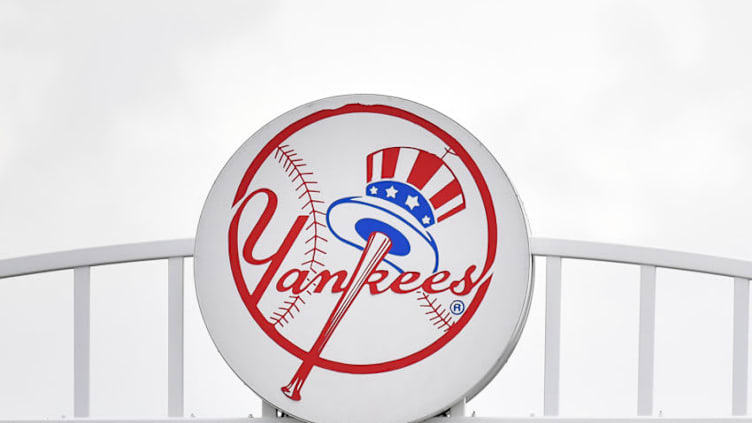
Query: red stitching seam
{"x": 293, "y": 165}
{"x": 440, "y": 317}
{"x": 284, "y": 313}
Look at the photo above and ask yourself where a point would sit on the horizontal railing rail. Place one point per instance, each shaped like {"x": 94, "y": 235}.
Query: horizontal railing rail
{"x": 553, "y": 250}
{"x": 667, "y": 259}
{"x": 97, "y": 256}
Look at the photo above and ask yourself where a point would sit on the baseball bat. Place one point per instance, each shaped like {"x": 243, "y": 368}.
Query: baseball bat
{"x": 376, "y": 249}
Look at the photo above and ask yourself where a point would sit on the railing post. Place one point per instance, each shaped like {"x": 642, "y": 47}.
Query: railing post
{"x": 81, "y": 340}
{"x": 741, "y": 353}
{"x": 553, "y": 327}
{"x": 175, "y": 337}
{"x": 646, "y": 351}
{"x": 458, "y": 410}
{"x": 268, "y": 410}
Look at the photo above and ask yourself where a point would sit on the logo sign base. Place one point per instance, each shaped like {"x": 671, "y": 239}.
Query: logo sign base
{"x": 363, "y": 258}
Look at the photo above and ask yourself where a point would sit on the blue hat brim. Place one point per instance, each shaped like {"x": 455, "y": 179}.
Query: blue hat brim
{"x": 352, "y": 219}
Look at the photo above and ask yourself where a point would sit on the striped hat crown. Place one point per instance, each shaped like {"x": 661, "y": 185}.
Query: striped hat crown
{"x": 415, "y": 180}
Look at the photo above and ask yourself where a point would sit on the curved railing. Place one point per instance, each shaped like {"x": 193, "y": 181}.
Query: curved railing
{"x": 553, "y": 250}
{"x": 97, "y": 256}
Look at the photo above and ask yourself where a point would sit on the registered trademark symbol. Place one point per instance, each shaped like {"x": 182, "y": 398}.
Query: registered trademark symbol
{"x": 457, "y": 307}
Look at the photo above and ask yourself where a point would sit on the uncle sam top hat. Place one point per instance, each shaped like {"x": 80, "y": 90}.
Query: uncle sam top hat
{"x": 408, "y": 190}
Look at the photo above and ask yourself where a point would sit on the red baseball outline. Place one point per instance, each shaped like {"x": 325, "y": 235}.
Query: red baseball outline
{"x": 251, "y": 302}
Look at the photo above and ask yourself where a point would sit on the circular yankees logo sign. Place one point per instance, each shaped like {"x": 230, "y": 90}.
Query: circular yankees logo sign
{"x": 363, "y": 258}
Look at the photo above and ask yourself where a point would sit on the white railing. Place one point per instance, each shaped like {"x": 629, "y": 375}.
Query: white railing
{"x": 649, "y": 259}
{"x": 81, "y": 262}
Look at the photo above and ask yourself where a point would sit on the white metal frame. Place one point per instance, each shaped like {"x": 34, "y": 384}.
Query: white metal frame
{"x": 554, "y": 251}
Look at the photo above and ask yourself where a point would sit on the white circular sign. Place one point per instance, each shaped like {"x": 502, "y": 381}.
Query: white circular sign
{"x": 363, "y": 258}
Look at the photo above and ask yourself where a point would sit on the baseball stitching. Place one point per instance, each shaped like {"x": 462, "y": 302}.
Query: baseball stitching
{"x": 438, "y": 315}
{"x": 293, "y": 166}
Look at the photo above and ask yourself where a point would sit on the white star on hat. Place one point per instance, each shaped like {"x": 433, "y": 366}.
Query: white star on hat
{"x": 412, "y": 201}
{"x": 374, "y": 190}
{"x": 426, "y": 220}
{"x": 391, "y": 192}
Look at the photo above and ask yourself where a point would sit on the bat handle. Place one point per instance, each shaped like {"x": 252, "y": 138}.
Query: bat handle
{"x": 376, "y": 249}
{"x": 292, "y": 389}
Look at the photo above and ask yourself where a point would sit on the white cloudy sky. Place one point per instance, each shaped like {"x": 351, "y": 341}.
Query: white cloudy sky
{"x": 624, "y": 122}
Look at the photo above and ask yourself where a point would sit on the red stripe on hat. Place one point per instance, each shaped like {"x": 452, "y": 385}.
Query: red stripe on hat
{"x": 445, "y": 194}
{"x": 451, "y": 212}
{"x": 425, "y": 166}
{"x": 389, "y": 162}
{"x": 369, "y": 168}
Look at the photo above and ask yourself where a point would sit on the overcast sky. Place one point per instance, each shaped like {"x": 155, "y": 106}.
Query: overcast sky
{"x": 623, "y": 122}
